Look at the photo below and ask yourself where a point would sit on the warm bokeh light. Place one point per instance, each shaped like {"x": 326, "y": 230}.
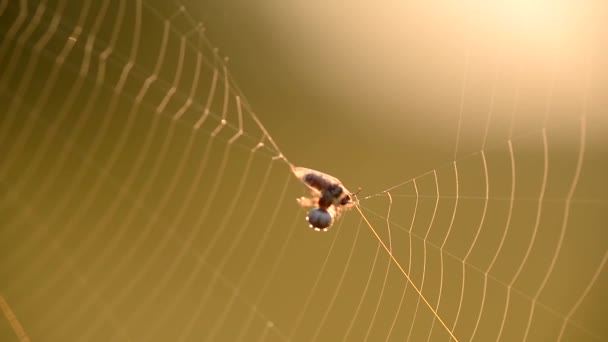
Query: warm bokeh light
{"x": 392, "y": 58}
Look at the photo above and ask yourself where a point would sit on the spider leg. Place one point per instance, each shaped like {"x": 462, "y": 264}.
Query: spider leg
{"x": 306, "y": 202}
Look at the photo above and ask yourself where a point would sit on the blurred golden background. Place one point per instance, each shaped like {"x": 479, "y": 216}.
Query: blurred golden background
{"x": 146, "y": 191}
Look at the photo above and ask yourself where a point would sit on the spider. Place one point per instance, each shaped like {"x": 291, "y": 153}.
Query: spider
{"x": 329, "y": 198}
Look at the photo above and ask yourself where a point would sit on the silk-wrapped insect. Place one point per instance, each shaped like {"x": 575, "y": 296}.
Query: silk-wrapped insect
{"x": 329, "y": 198}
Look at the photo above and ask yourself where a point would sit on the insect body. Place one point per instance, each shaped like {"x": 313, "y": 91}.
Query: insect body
{"x": 329, "y": 197}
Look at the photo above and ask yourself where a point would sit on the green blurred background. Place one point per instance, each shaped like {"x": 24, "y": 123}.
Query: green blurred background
{"x": 129, "y": 212}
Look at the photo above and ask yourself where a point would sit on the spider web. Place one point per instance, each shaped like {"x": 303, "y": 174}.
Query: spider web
{"x": 142, "y": 198}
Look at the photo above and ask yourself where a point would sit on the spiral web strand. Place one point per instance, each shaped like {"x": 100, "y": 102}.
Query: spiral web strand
{"x": 143, "y": 199}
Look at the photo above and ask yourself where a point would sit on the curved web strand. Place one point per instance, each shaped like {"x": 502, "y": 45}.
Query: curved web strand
{"x": 409, "y": 266}
{"x": 314, "y": 287}
{"x": 579, "y": 301}
{"x": 369, "y": 279}
{"x": 28, "y": 214}
{"x": 532, "y": 239}
{"x": 575, "y": 179}
{"x": 338, "y": 287}
{"x": 149, "y": 82}
{"x": 250, "y": 265}
{"x": 89, "y": 201}
{"x": 406, "y": 275}
{"x": 28, "y": 247}
{"x": 24, "y": 83}
{"x": 483, "y": 217}
{"x": 447, "y": 235}
{"x": 32, "y": 62}
{"x": 424, "y": 263}
{"x": 269, "y": 278}
{"x": 362, "y": 297}
{"x": 388, "y": 265}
